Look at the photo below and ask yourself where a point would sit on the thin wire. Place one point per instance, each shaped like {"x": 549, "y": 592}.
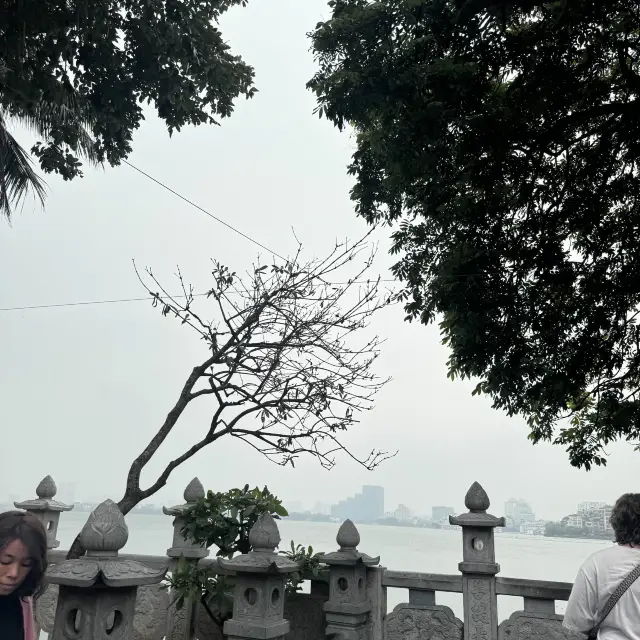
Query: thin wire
{"x": 193, "y": 204}
{"x": 86, "y": 303}
{"x": 147, "y": 298}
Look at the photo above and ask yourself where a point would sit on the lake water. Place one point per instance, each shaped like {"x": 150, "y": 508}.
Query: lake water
{"x": 399, "y": 548}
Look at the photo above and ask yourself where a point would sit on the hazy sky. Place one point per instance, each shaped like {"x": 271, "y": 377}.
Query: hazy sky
{"x": 82, "y": 389}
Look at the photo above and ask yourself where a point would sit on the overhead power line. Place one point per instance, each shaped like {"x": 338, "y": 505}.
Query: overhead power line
{"x": 193, "y": 204}
{"x": 86, "y": 303}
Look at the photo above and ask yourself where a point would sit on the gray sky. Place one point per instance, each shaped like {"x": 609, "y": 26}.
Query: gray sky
{"x": 82, "y": 389}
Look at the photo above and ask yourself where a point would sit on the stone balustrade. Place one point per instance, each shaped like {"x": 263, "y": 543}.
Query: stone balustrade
{"x": 348, "y": 602}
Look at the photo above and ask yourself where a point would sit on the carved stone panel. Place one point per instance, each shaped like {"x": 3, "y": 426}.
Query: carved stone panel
{"x": 422, "y": 622}
{"x": 149, "y": 622}
{"x": 524, "y": 625}
{"x": 478, "y": 601}
{"x": 306, "y": 616}
{"x": 45, "y": 608}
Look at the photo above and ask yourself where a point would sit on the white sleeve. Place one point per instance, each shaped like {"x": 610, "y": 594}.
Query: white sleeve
{"x": 582, "y": 607}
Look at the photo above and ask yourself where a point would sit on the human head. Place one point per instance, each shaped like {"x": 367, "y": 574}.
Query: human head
{"x": 625, "y": 519}
{"x": 23, "y": 553}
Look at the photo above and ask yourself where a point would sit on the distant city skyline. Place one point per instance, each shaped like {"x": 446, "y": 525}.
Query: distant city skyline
{"x": 366, "y": 506}
{"x": 518, "y": 512}
{"x": 441, "y": 514}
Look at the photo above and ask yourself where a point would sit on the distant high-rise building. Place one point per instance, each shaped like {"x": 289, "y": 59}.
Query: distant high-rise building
{"x": 402, "y": 513}
{"x": 367, "y": 506}
{"x": 518, "y": 512}
{"x": 585, "y": 507}
{"x": 373, "y": 498}
{"x": 441, "y": 514}
{"x": 593, "y": 515}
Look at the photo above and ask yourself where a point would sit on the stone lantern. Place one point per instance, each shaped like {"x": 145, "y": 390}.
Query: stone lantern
{"x": 348, "y": 606}
{"x": 46, "y": 509}
{"x": 181, "y": 547}
{"x": 478, "y": 566}
{"x": 181, "y": 623}
{"x": 258, "y": 602}
{"x": 97, "y": 596}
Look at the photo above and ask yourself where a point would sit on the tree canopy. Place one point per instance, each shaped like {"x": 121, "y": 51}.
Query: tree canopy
{"x": 78, "y": 72}
{"x": 501, "y": 141}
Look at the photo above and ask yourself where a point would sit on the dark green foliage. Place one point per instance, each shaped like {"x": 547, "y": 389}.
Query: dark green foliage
{"x": 224, "y": 520}
{"x": 92, "y": 64}
{"x": 309, "y": 566}
{"x": 502, "y": 140}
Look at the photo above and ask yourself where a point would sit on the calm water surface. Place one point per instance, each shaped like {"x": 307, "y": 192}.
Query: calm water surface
{"x": 404, "y": 549}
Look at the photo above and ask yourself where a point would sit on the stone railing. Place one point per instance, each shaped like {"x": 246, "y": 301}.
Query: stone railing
{"x": 350, "y": 603}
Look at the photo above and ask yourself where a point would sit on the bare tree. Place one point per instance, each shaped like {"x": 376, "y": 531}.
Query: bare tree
{"x": 287, "y": 368}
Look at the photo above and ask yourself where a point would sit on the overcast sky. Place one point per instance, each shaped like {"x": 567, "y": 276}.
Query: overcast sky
{"x": 82, "y": 389}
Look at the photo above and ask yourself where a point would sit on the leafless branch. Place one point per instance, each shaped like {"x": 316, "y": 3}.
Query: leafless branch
{"x": 289, "y": 369}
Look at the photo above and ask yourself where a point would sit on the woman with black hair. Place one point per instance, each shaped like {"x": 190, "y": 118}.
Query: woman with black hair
{"x": 605, "y": 599}
{"x": 23, "y": 562}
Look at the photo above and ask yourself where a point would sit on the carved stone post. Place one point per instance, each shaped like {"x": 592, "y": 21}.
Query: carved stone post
{"x": 348, "y": 607}
{"x": 98, "y": 591}
{"x": 181, "y": 623}
{"x": 258, "y": 601}
{"x": 46, "y": 509}
{"x": 478, "y": 566}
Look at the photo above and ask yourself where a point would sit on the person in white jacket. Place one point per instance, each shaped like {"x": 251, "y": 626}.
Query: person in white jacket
{"x": 605, "y": 599}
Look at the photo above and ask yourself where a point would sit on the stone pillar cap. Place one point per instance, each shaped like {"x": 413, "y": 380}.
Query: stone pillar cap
{"x": 264, "y": 538}
{"x": 348, "y": 539}
{"x": 477, "y": 501}
{"x": 104, "y": 534}
{"x": 45, "y": 491}
{"x": 193, "y": 492}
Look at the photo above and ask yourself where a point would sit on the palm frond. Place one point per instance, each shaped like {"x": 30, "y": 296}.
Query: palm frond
{"x": 17, "y": 176}
{"x": 45, "y": 116}
{"x": 63, "y": 109}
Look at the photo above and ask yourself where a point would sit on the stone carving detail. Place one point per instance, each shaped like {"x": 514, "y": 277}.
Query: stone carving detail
{"x": 422, "y": 622}
{"x": 477, "y": 499}
{"x": 479, "y": 609}
{"x": 194, "y": 491}
{"x": 105, "y": 530}
{"x": 46, "y": 608}
{"x": 149, "y": 621}
{"x": 523, "y": 625}
{"x": 264, "y": 535}
{"x": 348, "y": 535}
{"x": 87, "y": 571}
{"x": 114, "y": 570}
{"x": 46, "y": 489}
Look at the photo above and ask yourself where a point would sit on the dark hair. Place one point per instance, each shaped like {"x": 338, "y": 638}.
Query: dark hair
{"x": 18, "y": 525}
{"x": 625, "y": 519}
